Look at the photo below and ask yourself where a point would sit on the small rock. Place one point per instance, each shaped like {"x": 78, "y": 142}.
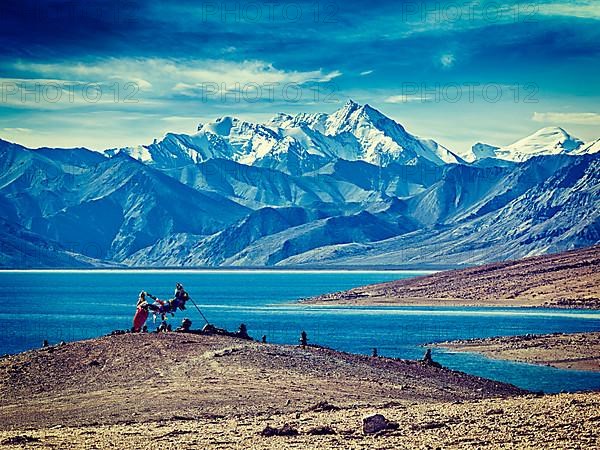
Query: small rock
{"x": 491, "y": 412}
{"x": 393, "y": 426}
{"x": 324, "y": 406}
{"x": 375, "y": 423}
{"x": 285, "y": 430}
{"x": 321, "y": 430}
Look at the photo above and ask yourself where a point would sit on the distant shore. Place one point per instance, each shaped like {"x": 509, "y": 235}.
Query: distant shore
{"x": 576, "y": 351}
{"x": 563, "y": 280}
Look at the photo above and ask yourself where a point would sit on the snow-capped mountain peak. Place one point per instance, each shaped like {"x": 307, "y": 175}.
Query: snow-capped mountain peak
{"x": 364, "y": 133}
{"x": 384, "y": 140}
{"x": 281, "y": 120}
{"x": 482, "y": 151}
{"x": 287, "y": 192}
{"x": 353, "y": 132}
{"x": 353, "y": 116}
{"x": 546, "y": 141}
{"x": 221, "y": 126}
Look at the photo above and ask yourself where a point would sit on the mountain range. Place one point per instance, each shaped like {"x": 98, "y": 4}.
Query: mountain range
{"x": 351, "y": 188}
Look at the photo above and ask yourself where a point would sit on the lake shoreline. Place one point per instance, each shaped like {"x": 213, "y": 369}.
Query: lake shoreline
{"x": 339, "y": 299}
{"x": 69, "y": 307}
{"x": 575, "y": 351}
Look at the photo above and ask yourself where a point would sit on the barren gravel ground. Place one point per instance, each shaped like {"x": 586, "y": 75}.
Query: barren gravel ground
{"x": 550, "y": 422}
{"x": 580, "y": 351}
{"x": 189, "y": 391}
{"x": 563, "y": 280}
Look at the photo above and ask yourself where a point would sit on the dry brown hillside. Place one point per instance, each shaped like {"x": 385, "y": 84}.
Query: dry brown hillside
{"x": 570, "y": 280}
{"x": 137, "y": 377}
{"x": 175, "y": 391}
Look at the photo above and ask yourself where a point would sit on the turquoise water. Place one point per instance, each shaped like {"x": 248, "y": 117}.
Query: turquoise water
{"x": 74, "y": 305}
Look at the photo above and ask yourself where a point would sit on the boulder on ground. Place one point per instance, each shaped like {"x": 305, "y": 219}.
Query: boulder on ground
{"x": 376, "y": 423}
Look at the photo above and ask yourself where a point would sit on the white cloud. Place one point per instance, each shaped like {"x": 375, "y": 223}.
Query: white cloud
{"x": 584, "y": 9}
{"x": 258, "y": 72}
{"x": 408, "y": 98}
{"x": 366, "y": 72}
{"x": 581, "y": 118}
{"x": 159, "y": 78}
{"x": 140, "y": 82}
{"x": 17, "y": 130}
{"x": 178, "y": 118}
{"x": 151, "y": 71}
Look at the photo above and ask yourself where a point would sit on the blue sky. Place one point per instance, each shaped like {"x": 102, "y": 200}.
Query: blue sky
{"x": 106, "y": 73}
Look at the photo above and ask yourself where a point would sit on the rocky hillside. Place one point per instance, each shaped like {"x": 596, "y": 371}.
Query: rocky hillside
{"x": 566, "y": 280}
{"x": 136, "y": 377}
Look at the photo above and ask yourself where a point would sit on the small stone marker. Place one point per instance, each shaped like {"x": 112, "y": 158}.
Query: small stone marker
{"x": 303, "y": 339}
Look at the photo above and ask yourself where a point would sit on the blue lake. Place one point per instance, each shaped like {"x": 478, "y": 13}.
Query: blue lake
{"x": 71, "y": 305}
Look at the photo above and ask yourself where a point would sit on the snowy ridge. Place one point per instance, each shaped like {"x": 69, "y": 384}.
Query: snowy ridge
{"x": 354, "y": 133}
{"x": 546, "y": 141}
{"x": 588, "y": 148}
